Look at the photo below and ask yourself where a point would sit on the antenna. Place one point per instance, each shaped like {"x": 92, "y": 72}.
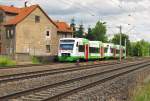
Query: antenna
{"x": 25, "y": 3}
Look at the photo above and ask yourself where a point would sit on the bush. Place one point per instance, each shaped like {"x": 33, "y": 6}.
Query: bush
{"x": 142, "y": 94}
{"x": 35, "y": 60}
{"x": 5, "y": 61}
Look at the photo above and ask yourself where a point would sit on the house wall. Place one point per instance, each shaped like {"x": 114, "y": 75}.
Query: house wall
{"x": 65, "y": 35}
{"x": 7, "y": 45}
{"x": 31, "y": 37}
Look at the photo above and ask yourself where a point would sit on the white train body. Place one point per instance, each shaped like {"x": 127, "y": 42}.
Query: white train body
{"x": 73, "y": 49}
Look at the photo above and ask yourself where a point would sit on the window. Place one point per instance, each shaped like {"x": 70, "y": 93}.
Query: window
{"x": 118, "y": 51}
{"x": 1, "y": 17}
{"x": 94, "y": 50}
{"x": 37, "y": 19}
{"x": 48, "y": 49}
{"x": 124, "y": 51}
{"x": 66, "y": 46}
{"x": 47, "y": 33}
{"x": 9, "y": 33}
{"x": 81, "y": 48}
{"x": 105, "y": 50}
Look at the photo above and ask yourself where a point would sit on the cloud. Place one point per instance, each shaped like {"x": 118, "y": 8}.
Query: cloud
{"x": 127, "y": 13}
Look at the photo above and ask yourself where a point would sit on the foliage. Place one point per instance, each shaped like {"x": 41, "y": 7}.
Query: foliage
{"x": 80, "y": 31}
{"x": 99, "y": 32}
{"x": 73, "y": 26}
{"x": 35, "y": 60}
{"x": 142, "y": 94}
{"x": 90, "y": 35}
{"x": 5, "y": 61}
{"x": 116, "y": 40}
{"x": 140, "y": 48}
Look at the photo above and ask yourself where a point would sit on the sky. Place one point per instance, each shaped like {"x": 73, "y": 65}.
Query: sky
{"x": 132, "y": 15}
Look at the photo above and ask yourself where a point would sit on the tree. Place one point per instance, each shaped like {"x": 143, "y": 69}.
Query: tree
{"x": 80, "y": 31}
{"x": 99, "y": 31}
{"x": 73, "y": 26}
{"x": 116, "y": 40}
{"x": 90, "y": 35}
{"x": 140, "y": 48}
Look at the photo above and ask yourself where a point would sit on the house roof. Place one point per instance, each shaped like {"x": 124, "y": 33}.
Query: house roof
{"x": 63, "y": 27}
{"x": 9, "y": 9}
{"x": 22, "y": 13}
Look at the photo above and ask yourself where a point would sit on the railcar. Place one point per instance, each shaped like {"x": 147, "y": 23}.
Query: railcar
{"x": 108, "y": 50}
{"x": 74, "y": 49}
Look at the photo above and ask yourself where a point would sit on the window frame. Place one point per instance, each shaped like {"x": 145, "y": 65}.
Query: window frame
{"x": 37, "y": 19}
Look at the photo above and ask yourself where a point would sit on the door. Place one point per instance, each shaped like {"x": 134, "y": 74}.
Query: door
{"x": 86, "y": 52}
{"x": 101, "y": 52}
{"x": 114, "y": 52}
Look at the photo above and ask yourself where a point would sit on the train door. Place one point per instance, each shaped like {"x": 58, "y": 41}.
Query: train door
{"x": 102, "y": 52}
{"x": 114, "y": 52}
{"x": 86, "y": 52}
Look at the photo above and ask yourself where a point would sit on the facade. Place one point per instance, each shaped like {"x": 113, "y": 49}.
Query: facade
{"x": 27, "y": 30}
{"x": 64, "y": 30}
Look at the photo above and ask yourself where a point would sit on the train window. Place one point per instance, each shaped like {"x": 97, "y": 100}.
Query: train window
{"x": 105, "y": 50}
{"x": 123, "y": 50}
{"x": 93, "y": 50}
{"x": 66, "y": 46}
{"x": 81, "y": 48}
{"x": 117, "y": 51}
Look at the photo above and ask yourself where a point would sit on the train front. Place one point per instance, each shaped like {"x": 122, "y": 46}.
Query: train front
{"x": 66, "y": 49}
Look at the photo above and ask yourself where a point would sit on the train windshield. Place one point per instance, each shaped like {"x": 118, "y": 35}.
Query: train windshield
{"x": 66, "y": 46}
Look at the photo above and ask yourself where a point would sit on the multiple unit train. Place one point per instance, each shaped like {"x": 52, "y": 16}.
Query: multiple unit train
{"x": 75, "y": 49}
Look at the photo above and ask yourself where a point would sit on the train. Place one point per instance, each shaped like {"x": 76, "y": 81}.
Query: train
{"x": 78, "y": 49}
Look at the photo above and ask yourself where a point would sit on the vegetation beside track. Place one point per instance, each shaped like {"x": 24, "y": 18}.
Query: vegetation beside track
{"x": 142, "y": 93}
{"x": 5, "y": 61}
{"x": 35, "y": 60}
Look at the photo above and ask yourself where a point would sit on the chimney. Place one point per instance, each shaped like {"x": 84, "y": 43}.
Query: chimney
{"x": 25, "y": 4}
{"x": 12, "y": 5}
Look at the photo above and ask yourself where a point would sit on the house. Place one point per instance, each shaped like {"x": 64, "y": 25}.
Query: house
{"x": 27, "y": 31}
{"x": 64, "y": 30}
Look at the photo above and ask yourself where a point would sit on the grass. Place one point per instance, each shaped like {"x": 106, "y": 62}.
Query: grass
{"x": 143, "y": 93}
{"x": 5, "y": 61}
{"x": 35, "y": 60}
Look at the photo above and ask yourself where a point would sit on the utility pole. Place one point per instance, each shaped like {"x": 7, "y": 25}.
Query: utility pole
{"x": 125, "y": 48}
{"x": 120, "y": 28}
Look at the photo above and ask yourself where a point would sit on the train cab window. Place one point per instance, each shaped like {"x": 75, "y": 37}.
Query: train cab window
{"x": 81, "y": 48}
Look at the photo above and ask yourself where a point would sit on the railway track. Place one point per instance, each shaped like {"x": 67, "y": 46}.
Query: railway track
{"x": 29, "y": 75}
{"x": 35, "y": 74}
{"x": 55, "y": 92}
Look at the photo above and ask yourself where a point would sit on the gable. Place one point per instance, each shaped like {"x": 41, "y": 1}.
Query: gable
{"x": 24, "y": 13}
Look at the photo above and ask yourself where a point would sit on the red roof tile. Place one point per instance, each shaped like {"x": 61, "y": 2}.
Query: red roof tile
{"x": 10, "y": 9}
{"x": 22, "y": 13}
{"x": 63, "y": 27}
